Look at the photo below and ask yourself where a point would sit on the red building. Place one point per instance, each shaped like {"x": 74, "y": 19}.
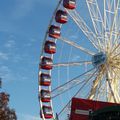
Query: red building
{"x": 81, "y": 108}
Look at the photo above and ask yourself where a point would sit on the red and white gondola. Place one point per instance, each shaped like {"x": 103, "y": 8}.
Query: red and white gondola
{"x": 45, "y": 79}
{"x": 46, "y": 63}
{"x": 45, "y": 95}
{"x": 54, "y": 31}
{"x": 47, "y": 110}
{"x": 50, "y": 47}
{"x": 61, "y": 16}
{"x": 69, "y": 4}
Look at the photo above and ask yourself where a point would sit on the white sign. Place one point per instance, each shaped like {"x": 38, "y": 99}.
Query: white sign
{"x": 82, "y": 112}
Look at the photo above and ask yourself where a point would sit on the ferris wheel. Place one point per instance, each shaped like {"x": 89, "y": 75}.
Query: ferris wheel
{"x": 80, "y": 56}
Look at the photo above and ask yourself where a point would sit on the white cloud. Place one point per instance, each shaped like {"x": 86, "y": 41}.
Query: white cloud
{"x": 27, "y": 117}
{"x": 10, "y": 44}
{"x": 3, "y": 56}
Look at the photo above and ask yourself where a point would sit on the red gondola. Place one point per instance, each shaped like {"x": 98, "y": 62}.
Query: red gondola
{"x": 50, "y": 47}
{"x": 46, "y": 63}
{"x": 61, "y": 16}
{"x": 69, "y": 4}
{"x": 45, "y": 96}
{"x": 45, "y": 79}
{"x": 54, "y": 31}
{"x": 47, "y": 111}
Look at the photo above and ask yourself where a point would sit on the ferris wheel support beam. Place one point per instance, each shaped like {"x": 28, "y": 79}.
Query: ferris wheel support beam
{"x": 112, "y": 93}
{"x": 116, "y": 84}
{"x": 113, "y": 96}
{"x": 83, "y": 26}
{"x": 101, "y": 89}
{"x": 76, "y": 46}
{"x": 96, "y": 20}
{"x": 95, "y": 85}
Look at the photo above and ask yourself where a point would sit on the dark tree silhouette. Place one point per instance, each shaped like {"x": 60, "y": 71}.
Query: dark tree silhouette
{"x": 5, "y": 112}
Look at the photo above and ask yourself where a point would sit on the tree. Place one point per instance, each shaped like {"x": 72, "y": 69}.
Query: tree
{"x": 5, "y": 112}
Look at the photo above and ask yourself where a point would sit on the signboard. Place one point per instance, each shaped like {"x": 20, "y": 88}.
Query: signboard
{"x": 81, "y": 108}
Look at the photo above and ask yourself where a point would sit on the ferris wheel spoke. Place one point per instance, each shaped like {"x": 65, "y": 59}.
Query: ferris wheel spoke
{"x": 105, "y": 24}
{"x": 72, "y": 64}
{"x": 116, "y": 83}
{"x": 101, "y": 90}
{"x": 77, "y": 92}
{"x": 83, "y": 26}
{"x": 95, "y": 85}
{"x": 76, "y": 46}
{"x": 96, "y": 20}
{"x": 112, "y": 82}
{"x": 112, "y": 93}
{"x": 107, "y": 19}
{"x": 70, "y": 84}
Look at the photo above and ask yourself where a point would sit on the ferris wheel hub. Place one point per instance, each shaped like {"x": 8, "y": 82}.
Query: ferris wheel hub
{"x": 99, "y": 59}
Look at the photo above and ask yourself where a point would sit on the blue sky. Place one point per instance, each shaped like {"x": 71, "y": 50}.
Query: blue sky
{"x": 22, "y": 28}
